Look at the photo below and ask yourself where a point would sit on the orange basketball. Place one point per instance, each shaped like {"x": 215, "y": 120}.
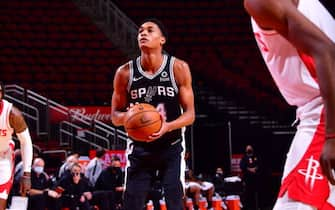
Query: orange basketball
{"x": 141, "y": 121}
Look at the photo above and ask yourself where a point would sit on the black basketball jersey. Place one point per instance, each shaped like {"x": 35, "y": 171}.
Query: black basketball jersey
{"x": 159, "y": 89}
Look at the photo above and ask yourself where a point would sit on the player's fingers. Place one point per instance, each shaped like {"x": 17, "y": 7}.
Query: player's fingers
{"x": 163, "y": 116}
{"x": 162, "y": 129}
{"x": 154, "y": 136}
{"x": 327, "y": 170}
{"x": 323, "y": 163}
{"x": 332, "y": 179}
{"x": 130, "y": 106}
{"x": 331, "y": 166}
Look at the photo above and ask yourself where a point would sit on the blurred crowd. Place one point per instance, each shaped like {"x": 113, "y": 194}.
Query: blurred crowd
{"x": 95, "y": 186}
{"x": 98, "y": 185}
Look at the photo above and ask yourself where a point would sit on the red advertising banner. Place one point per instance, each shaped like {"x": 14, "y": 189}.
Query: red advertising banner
{"x": 235, "y": 164}
{"x": 101, "y": 113}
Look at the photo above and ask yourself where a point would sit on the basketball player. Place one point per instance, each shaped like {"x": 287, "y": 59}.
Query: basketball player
{"x": 296, "y": 39}
{"x": 11, "y": 120}
{"x": 165, "y": 82}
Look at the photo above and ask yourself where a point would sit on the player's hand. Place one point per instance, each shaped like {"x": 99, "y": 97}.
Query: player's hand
{"x": 164, "y": 129}
{"x": 327, "y": 160}
{"x": 131, "y": 105}
{"x": 25, "y": 183}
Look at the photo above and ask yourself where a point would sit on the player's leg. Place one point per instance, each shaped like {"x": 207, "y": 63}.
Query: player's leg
{"x": 172, "y": 178}
{"x": 303, "y": 185}
{"x": 137, "y": 187}
{"x": 208, "y": 190}
{"x": 137, "y": 183}
{"x": 194, "y": 192}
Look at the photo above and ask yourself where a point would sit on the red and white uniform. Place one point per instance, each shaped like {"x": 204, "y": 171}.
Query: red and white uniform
{"x": 6, "y": 150}
{"x": 295, "y": 75}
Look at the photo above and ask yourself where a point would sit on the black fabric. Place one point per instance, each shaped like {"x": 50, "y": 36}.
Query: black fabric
{"x": 142, "y": 173}
{"x": 157, "y": 90}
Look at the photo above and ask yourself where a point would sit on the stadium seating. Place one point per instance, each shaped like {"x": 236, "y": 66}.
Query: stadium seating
{"x": 49, "y": 45}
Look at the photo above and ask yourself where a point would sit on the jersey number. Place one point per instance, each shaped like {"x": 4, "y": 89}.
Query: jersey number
{"x": 161, "y": 109}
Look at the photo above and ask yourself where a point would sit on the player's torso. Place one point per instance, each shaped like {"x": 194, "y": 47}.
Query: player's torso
{"x": 159, "y": 89}
{"x": 293, "y": 72}
{"x": 6, "y": 131}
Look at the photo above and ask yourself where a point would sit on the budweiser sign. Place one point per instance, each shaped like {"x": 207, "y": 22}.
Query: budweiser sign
{"x": 98, "y": 113}
{"x": 101, "y": 113}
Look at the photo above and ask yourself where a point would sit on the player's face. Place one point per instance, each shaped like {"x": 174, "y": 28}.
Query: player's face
{"x": 150, "y": 36}
{"x": 1, "y": 92}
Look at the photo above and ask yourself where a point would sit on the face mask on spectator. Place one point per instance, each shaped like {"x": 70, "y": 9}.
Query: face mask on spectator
{"x": 38, "y": 169}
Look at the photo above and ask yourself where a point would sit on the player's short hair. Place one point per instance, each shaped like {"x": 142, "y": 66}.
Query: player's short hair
{"x": 160, "y": 25}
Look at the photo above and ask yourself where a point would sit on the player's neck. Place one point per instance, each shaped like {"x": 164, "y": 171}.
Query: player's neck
{"x": 151, "y": 62}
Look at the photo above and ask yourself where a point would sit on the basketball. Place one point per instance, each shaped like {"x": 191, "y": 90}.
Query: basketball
{"x": 141, "y": 121}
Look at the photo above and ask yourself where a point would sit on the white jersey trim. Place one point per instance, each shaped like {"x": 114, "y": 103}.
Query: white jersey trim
{"x": 131, "y": 74}
{"x": 173, "y": 81}
{"x": 151, "y": 76}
